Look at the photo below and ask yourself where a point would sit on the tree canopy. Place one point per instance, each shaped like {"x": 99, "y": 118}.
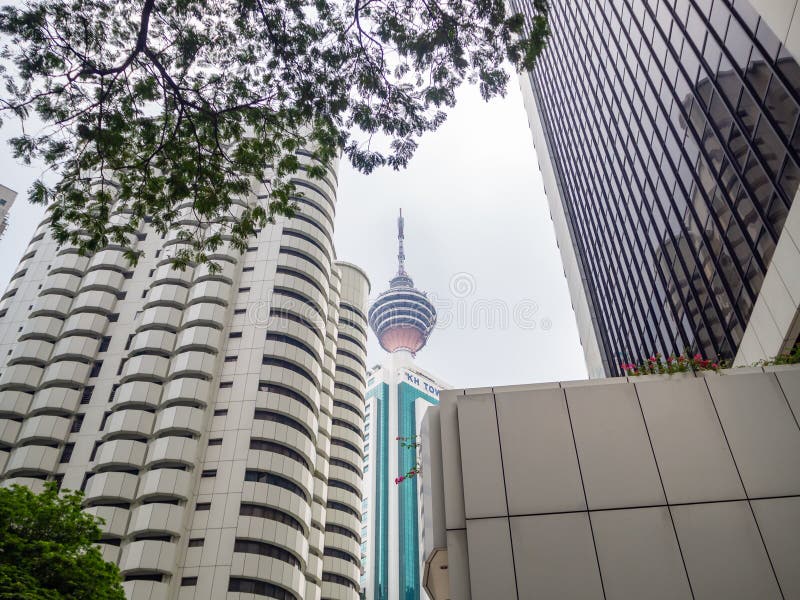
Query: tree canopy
{"x": 163, "y": 104}
{"x": 47, "y": 549}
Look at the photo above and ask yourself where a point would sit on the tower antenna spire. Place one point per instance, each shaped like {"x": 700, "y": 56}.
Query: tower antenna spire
{"x": 401, "y": 255}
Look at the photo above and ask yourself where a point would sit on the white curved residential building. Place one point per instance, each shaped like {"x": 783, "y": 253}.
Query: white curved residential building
{"x": 213, "y": 418}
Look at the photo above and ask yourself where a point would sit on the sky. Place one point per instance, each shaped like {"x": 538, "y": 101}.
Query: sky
{"x": 478, "y": 239}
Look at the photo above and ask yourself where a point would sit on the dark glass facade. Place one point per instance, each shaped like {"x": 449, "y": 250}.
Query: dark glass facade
{"x": 673, "y": 131}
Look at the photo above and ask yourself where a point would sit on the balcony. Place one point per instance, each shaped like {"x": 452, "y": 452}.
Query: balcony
{"x": 166, "y": 295}
{"x": 133, "y": 423}
{"x": 120, "y": 454}
{"x": 145, "y": 590}
{"x": 226, "y": 273}
{"x": 45, "y": 429}
{"x": 145, "y": 367}
{"x": 34, "y": 484}
{"x": 187, "y": 390}
{"x": 148, "y": 555}
{"x": 116, "y": 519}
{"x": 153, "y": 341}
{"x": 269, "y": 569}
{"x": 207, "y": 339}
{"x": 8, "y": 432}
{"x": 212, "y": 315}
{"x": 292, "y": 470}
{"x": 295, "y": 355}
{"x": 166, "y": 483}
{"x": 113, "y": 260}
{"x": 65, "y": 373}
{"x": 269, "y": 430}
{"x": 166, "y": 274}
{"x": 75, "y": 347}
{"x": 15, "y": 403}
{"x": 138, "y": 394}
{"x": 63, "y": 284}
{"x": 103, "y": 280}
{"x": 21, "y": 378}
{"x": 160, "y": 317}
{"x": 31, "y": 352}
{"x": 180, "y": 419}
{"x": 215, "y": 292}
{"x": 89, "y": 324}
{"x": 41, "y": 328}
{"x": 157, "y": 518}
{"x": 94, "y": 301}
{"x": 111, "y": 487}
{"x": 292, "y": 380}
{"x": 343, "y": 519}
{"x": 28, "y": 459}
{"x": 198, "y": 364}
{"x": 56, "y": 399}
{"x": 172, "y": 450}
{"x": 270, "y": 495}
{"x": 342, "y": 542}
{"x": 333, "y": 564}
{"x": 71, "y": 263}
{"x": 347, "y": 435}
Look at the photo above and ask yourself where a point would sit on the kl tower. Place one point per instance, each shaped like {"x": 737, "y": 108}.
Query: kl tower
{"x": 398, "y": 393}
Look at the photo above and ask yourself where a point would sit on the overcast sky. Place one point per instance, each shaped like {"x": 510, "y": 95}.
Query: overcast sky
{"x": 479, "y": 240}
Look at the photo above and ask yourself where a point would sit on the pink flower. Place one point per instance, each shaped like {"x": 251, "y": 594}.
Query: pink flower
{"x": 715, "y": 366}
{"x": 698, "y": 356}
{"x": 398, "y": 480}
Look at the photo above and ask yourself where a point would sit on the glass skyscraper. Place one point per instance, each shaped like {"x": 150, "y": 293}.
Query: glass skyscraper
{"x": 668, "y": 136}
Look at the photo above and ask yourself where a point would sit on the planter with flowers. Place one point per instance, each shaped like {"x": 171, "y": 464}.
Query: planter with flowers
{"x": 682, "y": 363}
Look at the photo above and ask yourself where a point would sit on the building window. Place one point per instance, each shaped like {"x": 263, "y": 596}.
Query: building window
{"x": 247, "y": 269}
{"x": 225, "y": 384}
{"x": 230, "y": 359}
{"x": 77, "y": 423}
{"x": 235, "y": 334}
{"x": 203, "y": 506}
{"x": 66, "y": 454}
{"x": 220, "y": 412}
{"x": 86, "y": 395}
{"x": 209, "y": 473}
{"x": 215, "y": 442}
{"x": 196, "y": 542}
{"x": 104, "y": 343}
{"x": 244, "y": 289}
{"x": 113, "y": 318}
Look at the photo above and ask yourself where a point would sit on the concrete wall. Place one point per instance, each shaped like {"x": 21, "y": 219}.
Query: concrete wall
{"x": 650, "y": 487}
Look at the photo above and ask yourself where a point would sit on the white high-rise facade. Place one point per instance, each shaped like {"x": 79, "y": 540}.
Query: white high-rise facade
{"x": 213, "y": 418}
{"x": 398, "y": 392}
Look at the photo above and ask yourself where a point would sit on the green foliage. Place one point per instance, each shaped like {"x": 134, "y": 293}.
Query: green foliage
{"x": 176, "y": 108}
{"x": 47, "y": 549}
{"x": 787, "y": 358}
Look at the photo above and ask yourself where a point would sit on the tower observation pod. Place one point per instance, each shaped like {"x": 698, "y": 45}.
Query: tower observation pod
{"x": 402, "y": 317}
